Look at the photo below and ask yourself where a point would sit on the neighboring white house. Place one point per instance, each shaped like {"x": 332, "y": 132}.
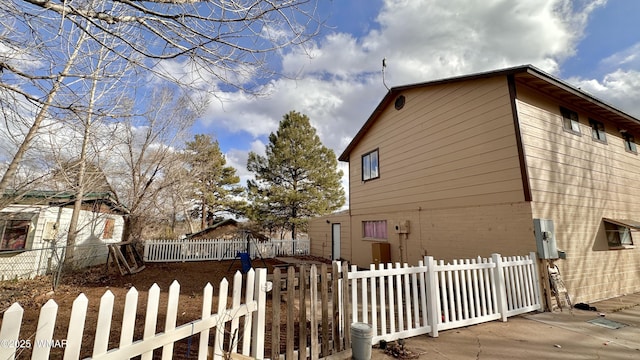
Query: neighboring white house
{"x": 33, "y": 232}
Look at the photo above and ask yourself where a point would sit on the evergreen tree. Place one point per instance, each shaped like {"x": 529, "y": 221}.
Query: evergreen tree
{"x": 297, "y": 179}
{"x": 216, "y": 185}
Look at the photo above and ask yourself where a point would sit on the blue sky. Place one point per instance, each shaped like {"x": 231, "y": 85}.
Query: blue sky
{"x": 592, "y": 44}
{"x": 610, "y": 29}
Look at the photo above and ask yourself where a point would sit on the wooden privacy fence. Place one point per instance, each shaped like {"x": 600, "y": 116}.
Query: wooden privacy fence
{"x": 226, "y": 325}
{"x": 397, "y": 301}
{"x": 220, "y": 249}
{"x": 312, "y": 324}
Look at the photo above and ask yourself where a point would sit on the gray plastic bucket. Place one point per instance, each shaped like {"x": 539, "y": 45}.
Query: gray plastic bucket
{"x": 361, "y": 335}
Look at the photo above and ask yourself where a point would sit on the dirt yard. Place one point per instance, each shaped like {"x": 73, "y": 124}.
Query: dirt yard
{"x": 192, "y": 276}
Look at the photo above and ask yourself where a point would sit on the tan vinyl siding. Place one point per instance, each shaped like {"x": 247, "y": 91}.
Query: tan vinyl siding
{"x": 451, "y": 145}
{"x": 450, "y": 164}
{"x": 320, "y": 235}
{"x": 452, "y": 233}
{"x": 577, "y": 181}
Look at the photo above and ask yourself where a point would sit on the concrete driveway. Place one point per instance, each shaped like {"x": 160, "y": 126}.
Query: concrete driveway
{"x": 551, "y": 335}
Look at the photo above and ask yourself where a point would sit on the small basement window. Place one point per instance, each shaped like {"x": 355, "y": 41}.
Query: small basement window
{"x": 619, "y": 233}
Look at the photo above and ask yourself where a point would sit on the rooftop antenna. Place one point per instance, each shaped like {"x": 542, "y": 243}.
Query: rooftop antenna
{"x": 384, "y": 65}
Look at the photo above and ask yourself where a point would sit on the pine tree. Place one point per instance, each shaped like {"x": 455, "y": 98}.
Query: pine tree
{"x": 216, "y": 185}
{"x": 297, "y": 179}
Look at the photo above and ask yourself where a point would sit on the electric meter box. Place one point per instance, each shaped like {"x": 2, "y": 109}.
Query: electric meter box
{"x": 545, "y": 239}
{"x": 402, "y": 227}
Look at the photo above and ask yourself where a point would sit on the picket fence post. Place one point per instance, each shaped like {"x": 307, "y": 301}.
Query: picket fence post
{"x": 128, "y": 318}
{"x": 259, "y": 323}
{"x": 145, "y": 251}
{"x": 76, "y": 327}
{"x": 10, "y": 330}
{"x": 172, "y": 315}
{"x": 433, "y": 314}
{"x": 501, "y": 291}
{"x": 103, "y": 324}
{"x": 46, "y": 325}
{"x": 207, "y": 301}
{"x": 537, "y": 283}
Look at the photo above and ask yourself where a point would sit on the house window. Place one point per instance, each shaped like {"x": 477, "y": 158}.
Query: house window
{"x": 619, "y": 232}
{"x": 374, "y": 229}
{"x": 629, "y": 143}
{"x": 597, "y": 131}
{"x": 109, "y": 224}
{"x": 370, "y": 168}
{"x": 14, "y": 234}
{"x": 570, "y": 120}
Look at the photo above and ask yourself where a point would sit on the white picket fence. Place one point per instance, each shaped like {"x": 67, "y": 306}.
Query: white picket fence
{"x": 398, "y": 301}
{"x": 252, "y": 312}
{"x": 405, "y": 301}
{"x": 220, "y": 249}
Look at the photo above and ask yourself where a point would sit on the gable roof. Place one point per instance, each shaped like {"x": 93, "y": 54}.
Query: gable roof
{"x": 213, "y": 227}
{"x": 64, "y": 198}
{"x": 526, "y": 75}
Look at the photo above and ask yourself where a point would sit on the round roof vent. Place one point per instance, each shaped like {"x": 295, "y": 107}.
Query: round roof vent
{"x": 399, "y": 102}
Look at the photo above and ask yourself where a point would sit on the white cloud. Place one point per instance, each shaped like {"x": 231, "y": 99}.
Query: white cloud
{"x": 238, "y": 159}
{"x": 18, "y": 58}
{"x": 336, "y": 108}
{"x": 336, "y": 55}
{"x": 620, "y": 82}
{"x": 621, "y": 88}
{"x": 434, "y": 39}
{"x": 627, "y": 58}
{"x": 337, "y": 81}
{"x": 258, "y": 147}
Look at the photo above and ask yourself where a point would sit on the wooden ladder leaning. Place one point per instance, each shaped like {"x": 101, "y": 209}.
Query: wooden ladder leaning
{"x": 126, "y": 257}
{"x": 558, "y": 288}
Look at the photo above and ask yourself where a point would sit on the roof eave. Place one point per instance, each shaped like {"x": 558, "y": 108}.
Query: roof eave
{"x": 579, "y": 93}
{"x": 528, "y": 69}
{"x": 398, "y": 89}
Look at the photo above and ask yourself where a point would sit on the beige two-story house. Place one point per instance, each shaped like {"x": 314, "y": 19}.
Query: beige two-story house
{"x": 463, "y": 167}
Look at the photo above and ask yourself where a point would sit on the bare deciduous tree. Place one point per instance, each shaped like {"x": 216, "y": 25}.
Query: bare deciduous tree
{"x": 147, "y": 152}
{"x": 189, "y": 42}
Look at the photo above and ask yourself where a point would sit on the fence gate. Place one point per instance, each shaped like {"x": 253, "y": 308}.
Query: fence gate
{"x": 312, "y": 324}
